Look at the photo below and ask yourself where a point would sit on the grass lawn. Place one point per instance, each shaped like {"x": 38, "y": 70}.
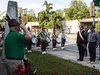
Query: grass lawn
{"x": 46, "y": 64}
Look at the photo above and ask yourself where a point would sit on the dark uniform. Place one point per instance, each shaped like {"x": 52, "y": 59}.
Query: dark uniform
{"x": 80, "y": 44}
{"x": 63, "y": 40}
{"x": 54, "y": 41}
{"x": 38, "y": 40}
{"x": 43, "y": 38}
{"x": 85, "y": 42}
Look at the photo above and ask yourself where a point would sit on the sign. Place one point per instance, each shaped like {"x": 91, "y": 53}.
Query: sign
{"x": 96, "y": 2}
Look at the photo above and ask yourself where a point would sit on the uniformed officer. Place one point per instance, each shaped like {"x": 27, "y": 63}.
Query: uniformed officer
{"x": 43, "y": 40}
{"x": 54, "y": 41}
{"x": 63, "y": 40}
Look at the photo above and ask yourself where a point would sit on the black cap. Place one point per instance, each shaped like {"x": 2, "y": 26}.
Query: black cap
{"x": 13, "y": 22}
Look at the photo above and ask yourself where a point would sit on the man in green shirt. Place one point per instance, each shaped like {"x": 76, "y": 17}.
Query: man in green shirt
{"x": 14, "y": 45}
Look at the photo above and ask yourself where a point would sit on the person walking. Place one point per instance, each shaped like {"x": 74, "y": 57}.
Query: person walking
{"x": 63, "y": 40}
{"x": 14, "y": 46}
{"x": 38, "y": 40}
{"x": 29, "y": 42}
{"x": 80, "y": 43}
{"x": 54, "y": 41}
{"x": 92, "y": 44}
{"x": 43, "y": 40}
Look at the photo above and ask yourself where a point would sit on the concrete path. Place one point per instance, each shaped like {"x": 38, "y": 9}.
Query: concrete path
{"x": 71, "y": 53}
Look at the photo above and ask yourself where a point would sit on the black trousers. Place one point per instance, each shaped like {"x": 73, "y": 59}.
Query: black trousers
{"x": 29, "y": 44}
{"x": 81, "y": 51}
{"x": 85, "y": 50}
{"x": 63, "y": 42}
{"x": 43, "y": 45}
{"x": 54, "y": 42}
{"x": 92, "y": 50}
{"x": 38, "y": 42}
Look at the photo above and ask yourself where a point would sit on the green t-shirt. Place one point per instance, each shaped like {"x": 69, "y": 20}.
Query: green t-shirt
{"x": 15, "y": 45}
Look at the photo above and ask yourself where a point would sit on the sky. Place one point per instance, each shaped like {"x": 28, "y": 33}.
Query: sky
{"x": 37, "y": 5}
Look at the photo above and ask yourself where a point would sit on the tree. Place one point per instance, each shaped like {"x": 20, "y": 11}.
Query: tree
{"x": 27, "y": 15}
{"x": 44, "y": 16}
{"x": 97, "y": 27}
{"x": 48, "y": 18}
{"x": 77, "y": 10}
{"x": 98, "y": 13}
{"x": 3, "y": 19}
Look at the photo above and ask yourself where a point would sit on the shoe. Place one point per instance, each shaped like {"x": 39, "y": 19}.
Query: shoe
{"x": 29, "y": 51}
{"x": 43, "y": 52}
{"x": 62, "y": 47}
{"x": 38, "y": 47}
{"x": 79, "y": 60}
{"x": 92, "y": 62}
{"x": 54, "y": 48}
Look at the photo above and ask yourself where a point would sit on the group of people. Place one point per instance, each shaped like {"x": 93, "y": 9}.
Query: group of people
{"x": 14, "y": 52}
{"x": 15, "y": 43}
{"x": 87, "y": 41}
{"x": 43, "y": 40}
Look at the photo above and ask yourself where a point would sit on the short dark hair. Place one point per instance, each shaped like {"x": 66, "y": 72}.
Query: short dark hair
{"x": 43, "y": 28}
{"x": 92, "y": 27}
{"x": 13, "y": 22}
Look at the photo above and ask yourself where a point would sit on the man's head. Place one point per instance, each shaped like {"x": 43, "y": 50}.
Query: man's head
{"x": 43, "y": 29}
{"x": 92, "y": 28}
{"x": 81, "y": 27}
{"x": 13, "y": 24}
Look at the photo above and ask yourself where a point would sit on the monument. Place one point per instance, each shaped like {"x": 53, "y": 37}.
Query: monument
{"x": 12, "y": 12}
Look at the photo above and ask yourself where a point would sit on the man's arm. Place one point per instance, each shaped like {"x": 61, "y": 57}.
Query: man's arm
{"x": 28, "y": 36}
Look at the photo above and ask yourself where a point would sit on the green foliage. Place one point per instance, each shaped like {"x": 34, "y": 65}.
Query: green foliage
{"x": 97, "y": 27}
{"x": 98, "y": 13}
{"x": 48, "y": 18}
{"x": 29, "y": 13}
{"x": 77, "y": 10}
{"x": 46, "y": 64}
{"x": 3, "y": 19}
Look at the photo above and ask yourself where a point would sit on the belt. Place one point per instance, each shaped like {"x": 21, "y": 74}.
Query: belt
{"x": 14, "y": 58}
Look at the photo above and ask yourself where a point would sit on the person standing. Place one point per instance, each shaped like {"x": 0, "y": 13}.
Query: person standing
{"x": 38, "y": 40}
{"x": 29, "y": 42}
{"x": 85, "y": 41}
{"x": 54, "y": 41}
{"x": 43, "y": 36}
{"x": 80, "y": 43}
{"x": 99, "y": 43}
{"x": 15, "y": 46}
{"x": 92, "y": 44}
{"x": 63, "y": 40}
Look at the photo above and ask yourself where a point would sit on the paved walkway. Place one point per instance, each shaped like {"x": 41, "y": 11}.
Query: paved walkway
{"x": 71, "y": 53}
{"x": 68, "y": 54}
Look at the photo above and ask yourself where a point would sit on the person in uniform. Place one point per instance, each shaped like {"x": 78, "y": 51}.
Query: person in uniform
{"x": 38, "y": 40}
{"x": 85, "y": 41}
{"x": 54, "y": 41}
{"x": 63, "y": 40}
{"x": 43, "y": 38}
{"x": 29, "y": 42}
{"x": 80, "y": 43}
